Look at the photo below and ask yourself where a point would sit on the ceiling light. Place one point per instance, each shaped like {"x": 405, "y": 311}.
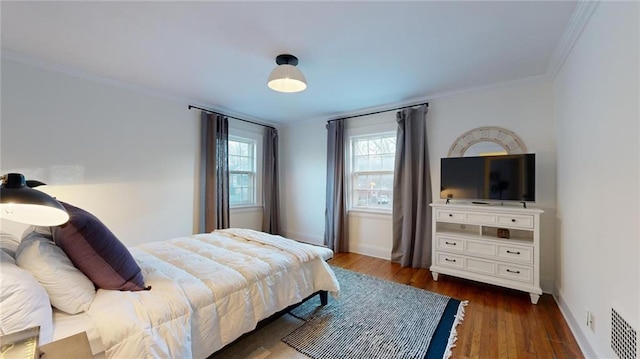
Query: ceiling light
{"x": 286, "y": 77}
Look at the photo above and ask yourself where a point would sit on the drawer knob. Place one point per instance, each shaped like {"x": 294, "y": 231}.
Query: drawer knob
{"x": 450, "y": 215}
{"x": 510, "y": 252}
{"x": 513, "y": 220}
{"x": 450, "y": 260}
{"x": 513, "y": 271}
{"x": 452, "y": 243}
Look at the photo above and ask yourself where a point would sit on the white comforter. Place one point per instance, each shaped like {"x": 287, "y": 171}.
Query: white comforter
{"x": 207, "y": 290}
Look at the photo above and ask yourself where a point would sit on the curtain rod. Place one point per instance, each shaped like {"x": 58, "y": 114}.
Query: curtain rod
{"x": 377, "y": 112}
{"x": 235, "y": 118}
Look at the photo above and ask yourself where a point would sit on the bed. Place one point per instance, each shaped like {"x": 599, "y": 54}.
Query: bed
{"x": 206, "y": 291}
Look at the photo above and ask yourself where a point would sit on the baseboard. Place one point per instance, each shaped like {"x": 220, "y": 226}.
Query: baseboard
{"x": 588, "y": 347}
{"x": 370, "y": 250}
{"x": 547, "y": 285}
{"x": 301, "y": 237}
{"x": 354, "y": 247}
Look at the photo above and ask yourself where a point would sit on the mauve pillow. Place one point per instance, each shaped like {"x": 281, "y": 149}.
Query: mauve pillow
{"x": 96, "y": 251}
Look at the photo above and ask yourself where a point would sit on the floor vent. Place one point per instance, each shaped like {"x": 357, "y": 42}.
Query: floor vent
{"x": 623, "y": 337}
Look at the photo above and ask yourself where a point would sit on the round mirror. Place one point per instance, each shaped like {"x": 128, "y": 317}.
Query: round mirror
{"x": 484, "y": 148}
{"x": 483, "y": 141}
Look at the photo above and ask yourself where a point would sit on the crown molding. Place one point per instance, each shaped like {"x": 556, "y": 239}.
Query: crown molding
{"x": 84, "y": 75}
{"x": 74, "y": 72}
{"x": 415, "y": 101}
{"x": 572, "y": 32}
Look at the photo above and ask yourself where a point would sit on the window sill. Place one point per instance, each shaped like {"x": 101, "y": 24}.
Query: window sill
{"x": 371, "y": 213}
{"x": 245, "y": 209}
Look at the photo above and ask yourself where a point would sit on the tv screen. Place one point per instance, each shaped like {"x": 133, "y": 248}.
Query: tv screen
{"x": 500, "y": 178}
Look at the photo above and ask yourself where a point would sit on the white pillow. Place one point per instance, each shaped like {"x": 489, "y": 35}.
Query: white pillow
{"x": 9, "y": 243}
{"x": 23, "y": 301}
{"x": 68, "y": 288}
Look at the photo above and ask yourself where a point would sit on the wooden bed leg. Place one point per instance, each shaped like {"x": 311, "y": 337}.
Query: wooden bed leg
{"x": 324, "y": 298}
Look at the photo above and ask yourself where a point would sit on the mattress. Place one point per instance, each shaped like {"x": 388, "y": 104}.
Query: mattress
{"x": 207, "y": 290}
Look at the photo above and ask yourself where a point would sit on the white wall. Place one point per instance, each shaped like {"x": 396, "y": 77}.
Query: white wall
{"x": 526, "y": 109}
{"x": 127, "y": 157}
{"x": 597, "y": 115}
{"x": 303, "y": 165}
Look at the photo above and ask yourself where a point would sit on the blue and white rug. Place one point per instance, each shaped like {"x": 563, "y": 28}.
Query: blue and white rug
{"x": 375, "y": 318}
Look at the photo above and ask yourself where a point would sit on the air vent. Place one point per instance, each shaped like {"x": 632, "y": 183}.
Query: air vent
{"x": 623, "y": 337}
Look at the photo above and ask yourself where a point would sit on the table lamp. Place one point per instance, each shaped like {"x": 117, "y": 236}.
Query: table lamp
{"x": 20, "y": 203}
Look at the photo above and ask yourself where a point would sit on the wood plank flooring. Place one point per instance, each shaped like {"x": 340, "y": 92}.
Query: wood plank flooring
{"x": 498, "y": 323}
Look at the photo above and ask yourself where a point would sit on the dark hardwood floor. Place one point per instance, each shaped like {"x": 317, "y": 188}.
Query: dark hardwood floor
{"x": 498, "y": 323}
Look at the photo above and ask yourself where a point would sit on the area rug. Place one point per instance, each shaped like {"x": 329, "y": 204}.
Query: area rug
{"x": 375, "y": 318}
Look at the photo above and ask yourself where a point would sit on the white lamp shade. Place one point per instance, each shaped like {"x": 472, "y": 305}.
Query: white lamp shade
{"x": 33, "y": 214}
{"x": 20, "y": 203}
{"x": 287, "y": 78}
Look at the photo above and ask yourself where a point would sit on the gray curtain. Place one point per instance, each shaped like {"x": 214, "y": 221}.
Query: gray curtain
{"x": 412, "y": 191}
{"x": 214, "y": 172}
{"x": 270, "y": 192}
{"x": 336, "y": 220}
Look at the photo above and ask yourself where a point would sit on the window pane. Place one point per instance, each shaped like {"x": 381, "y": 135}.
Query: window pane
{"x": 387, "y": 162}
{"x": 233, "y": 148}
{"x": 372, "y": 159}
{"x": 245, "y": 163}
{"x": 234, "y": 163}
{"x": 241, "y": 171}
{"x": 389, "y": 144}
{"x": 360, "y": 147}
{"x": 374, "y": 146}
{"x": 386, "y": 182}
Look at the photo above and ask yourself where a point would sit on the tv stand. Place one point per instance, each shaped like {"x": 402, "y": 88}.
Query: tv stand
{"x": 468, "y": 241}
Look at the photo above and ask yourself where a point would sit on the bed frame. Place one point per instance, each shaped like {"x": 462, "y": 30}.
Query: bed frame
{"x": 324, "y": 300}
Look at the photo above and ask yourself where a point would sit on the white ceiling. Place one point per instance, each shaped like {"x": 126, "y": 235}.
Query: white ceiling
{"x": 355, "y": 55}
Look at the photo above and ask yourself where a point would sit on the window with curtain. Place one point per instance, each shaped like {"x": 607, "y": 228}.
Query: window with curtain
{"x": 242, "y": 171}
{"x": 372, "y": 158}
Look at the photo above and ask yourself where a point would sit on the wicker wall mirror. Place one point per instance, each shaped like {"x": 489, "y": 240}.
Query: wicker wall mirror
{"x": 487, "y": 141}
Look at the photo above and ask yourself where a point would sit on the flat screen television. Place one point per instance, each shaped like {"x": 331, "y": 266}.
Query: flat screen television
{"x": 486, "y": 178}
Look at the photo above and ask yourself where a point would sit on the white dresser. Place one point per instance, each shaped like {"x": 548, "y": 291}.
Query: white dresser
{"x": 466, "y": 245}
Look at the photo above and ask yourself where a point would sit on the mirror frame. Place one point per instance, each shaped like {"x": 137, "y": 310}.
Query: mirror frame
{"x": 503, "y": 137}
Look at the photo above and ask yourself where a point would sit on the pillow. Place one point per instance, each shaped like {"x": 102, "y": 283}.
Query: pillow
{"x": 23, "y": 301}
{"x": 10, "y": 235}
{"x": 9, "y": 243}
{"x": 69, "y": 290}
{"x": 45, "y": 231}
{"x": 96, "y": 251}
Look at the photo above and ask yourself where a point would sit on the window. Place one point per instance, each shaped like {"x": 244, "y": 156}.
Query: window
{"x": 372, "y": 162}
{"x": 242, "y": 171}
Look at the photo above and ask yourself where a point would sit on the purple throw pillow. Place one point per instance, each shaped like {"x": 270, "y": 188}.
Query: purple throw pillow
{"x": 96, "y": 251}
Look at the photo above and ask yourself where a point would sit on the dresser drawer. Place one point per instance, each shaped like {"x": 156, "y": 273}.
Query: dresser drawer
{"x": 516, "y": 221}
{"x": 481, "y": 218}
{"x": 481, "y": 248}
{"x": 450, "y": 244}
{"x": 480, "y": 266}
{"x": 448, "y": 260}
{"x": 443, "y": 215}
{"x": 516, "y": 253}
{"x": 519, "y": 273}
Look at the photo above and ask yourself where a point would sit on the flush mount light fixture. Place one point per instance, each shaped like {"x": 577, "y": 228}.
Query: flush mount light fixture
{"x": 286, "y": 77}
